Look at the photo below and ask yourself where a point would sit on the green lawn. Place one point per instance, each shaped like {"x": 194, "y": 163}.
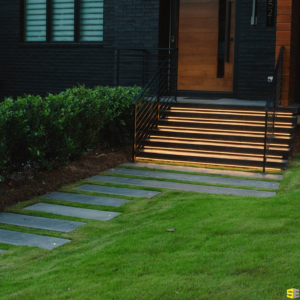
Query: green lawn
{"x": 224, "y": 247}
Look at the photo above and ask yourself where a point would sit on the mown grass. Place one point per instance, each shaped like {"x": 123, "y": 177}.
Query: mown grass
{"x": 224, "y": 247}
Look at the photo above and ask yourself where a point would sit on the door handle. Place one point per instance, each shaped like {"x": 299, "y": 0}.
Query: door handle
{"x": 227, "y": 36}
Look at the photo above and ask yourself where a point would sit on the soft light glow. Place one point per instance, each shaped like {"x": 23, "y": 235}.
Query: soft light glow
{"x": 219, "y": 132}
{"x": 232, "y": 142}
{"x": 214, "y": 154}
{"x": 204, "y": 164}
{"x": 216, "y": 143}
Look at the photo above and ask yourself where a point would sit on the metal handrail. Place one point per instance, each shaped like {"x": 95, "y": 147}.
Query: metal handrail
{"x": 139, "y": 63}
{"x": 274, "y": 100}
{"x": 154, "y": 99}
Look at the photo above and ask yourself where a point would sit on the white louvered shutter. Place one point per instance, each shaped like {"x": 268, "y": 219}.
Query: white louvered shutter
{"x": 91, "y": 20}
{"x": 63, "y": 20}
{"x": 35, "y": 20}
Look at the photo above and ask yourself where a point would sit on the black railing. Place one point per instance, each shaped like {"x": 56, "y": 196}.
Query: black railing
{"x": 137, "y": 66}
{"x": 155, "y": 99}
{"x": 273, "y": 101}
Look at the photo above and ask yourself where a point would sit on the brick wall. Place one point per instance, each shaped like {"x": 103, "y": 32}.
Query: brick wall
{"x": 37, "y": 69}
{"x": 127, "y": 24}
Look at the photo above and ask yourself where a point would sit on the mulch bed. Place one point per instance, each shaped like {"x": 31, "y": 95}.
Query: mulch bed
{"x": 296, "y": 146}
{"x": 26, "y": 185}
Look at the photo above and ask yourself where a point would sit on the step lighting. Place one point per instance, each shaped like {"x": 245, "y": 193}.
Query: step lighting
{"x": 225, "y": 122}
{"x": 209, "y": 121}
{"x": 191, "y": 139}
{"x": 211, "y": 154}
{"x": 162, "y": 149}
{"x": 232, "y": 142}
{"x": 214, "y": 143}
{"x": 212, "y": 110}
{"x": 203, "y": 164}
{"x": 232, "y": 122}
{"x": 219, "y": 131}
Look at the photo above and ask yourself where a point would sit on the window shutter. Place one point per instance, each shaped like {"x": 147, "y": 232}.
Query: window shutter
{"x": 91, "y": 20}
{"x": 63, "y": 20}
{"x": 35, "y": 20}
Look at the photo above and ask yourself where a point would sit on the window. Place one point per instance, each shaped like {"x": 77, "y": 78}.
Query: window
{"x": 63, "y": 20}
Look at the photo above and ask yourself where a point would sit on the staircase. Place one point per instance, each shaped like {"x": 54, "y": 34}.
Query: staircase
{"x": 219, "y": 135}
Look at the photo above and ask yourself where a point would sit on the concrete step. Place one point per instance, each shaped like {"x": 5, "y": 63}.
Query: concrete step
{"x": 182, "y": 186}
{"x": 115, "y": 191}
{"x": 196, "y": 178}
{"x": 203, "y": 170}
{"x": 73, "y": 211}
{"x": 86, "y": 199}
{"x": 32, "y": 240}
{"x": 38, "y": 222}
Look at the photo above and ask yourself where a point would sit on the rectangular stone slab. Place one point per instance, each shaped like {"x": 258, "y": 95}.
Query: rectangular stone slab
{"x": 27, "y": 239}
{"x": 79, "y": 198}
{"x": 115, "y": 190}
{"x": 38, "y": 222}
{"x": 204, "y": 170}
{"x": 182, "y": 186}
{"x": 73, "y": 211}
{"x": 196, "y": 178}
{"x": 1, "y": 251}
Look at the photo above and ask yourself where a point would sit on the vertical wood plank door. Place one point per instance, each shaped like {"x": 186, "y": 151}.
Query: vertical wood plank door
{"x": 201, "y": 48}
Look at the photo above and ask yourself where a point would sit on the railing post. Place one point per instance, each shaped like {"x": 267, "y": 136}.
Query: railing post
{"x": 176, "y": 73}
{"x": 144, "y": 73}
{"x": 158, "y": 109}
{"x": 265, "y": 143}
{"x": 134, "y": 132}
{"x": 118, "y": 67}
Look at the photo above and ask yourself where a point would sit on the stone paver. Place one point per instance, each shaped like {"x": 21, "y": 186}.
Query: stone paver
{"x": 27, "y": 239}
{"x": 38, "y": 222}
{"x": 74, "y": 211}
{"x": 204, "y": 170}
{"x": 86, "y": 199}
{"x": 196, "y": 178}
{"x": 1, "y": 251}
{"x": 182, "y": 186}
{"x": 115, "y": 190}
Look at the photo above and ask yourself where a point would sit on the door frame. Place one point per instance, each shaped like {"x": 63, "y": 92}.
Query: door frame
{"x": 175, "y": 7}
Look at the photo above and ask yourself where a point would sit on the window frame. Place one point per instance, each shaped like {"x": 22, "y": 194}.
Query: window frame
{"x": 49, "y": 27}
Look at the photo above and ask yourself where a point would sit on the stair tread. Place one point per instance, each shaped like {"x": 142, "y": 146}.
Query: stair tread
{"x": 182, "y": 186}
{"x": 221, "y": 132}
{"x": 203, "y": 170}
{"x": 195, "y": 178}
{"x": 216, "y": 155}
{"x": 214, "y": 143}
{"x": 224, "y": 122}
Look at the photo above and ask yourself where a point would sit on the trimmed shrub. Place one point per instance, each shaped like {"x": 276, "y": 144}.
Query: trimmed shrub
{"x": 36, "y": 131}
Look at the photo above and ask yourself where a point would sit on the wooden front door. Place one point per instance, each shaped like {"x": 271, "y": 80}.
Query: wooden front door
{"x": 206, "y": 45}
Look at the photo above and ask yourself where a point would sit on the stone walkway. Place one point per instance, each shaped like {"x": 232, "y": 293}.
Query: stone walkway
{"x": 123, "y": 176}
{"x": 38, "y": 222}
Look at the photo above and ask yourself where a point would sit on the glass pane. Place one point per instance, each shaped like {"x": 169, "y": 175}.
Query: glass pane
{"x": 91, "y": 20}
{"x": 35, "y": 20}
{"x": 63, "y": 20}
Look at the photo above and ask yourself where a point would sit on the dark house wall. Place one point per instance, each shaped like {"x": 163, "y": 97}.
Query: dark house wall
{"x": 38, "y": 69}
{"x": 255, "y": 55}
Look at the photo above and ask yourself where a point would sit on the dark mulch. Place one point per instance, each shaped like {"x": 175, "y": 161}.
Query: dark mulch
{"x": 296, "y": 145}
{"x": 29, "y": 184}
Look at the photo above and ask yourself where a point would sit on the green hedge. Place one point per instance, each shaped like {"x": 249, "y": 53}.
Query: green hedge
{"x": 39, "y": 131}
